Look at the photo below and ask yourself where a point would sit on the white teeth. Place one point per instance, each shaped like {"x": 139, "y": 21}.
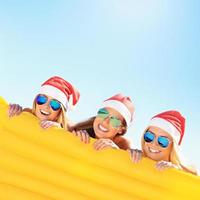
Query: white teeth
{"x": 44, "y": 112}
{"x": 102, "y": 128}
{"x": 153, "y": 150}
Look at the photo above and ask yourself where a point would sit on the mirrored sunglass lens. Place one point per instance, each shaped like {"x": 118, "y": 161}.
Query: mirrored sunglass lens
{"x": 41, "y": 99}
{"x": 115, "y": 122}
{"x": 103, "y": 113}
{"x": 148, "y": 136}
{"x": 163, "y": 141}
{"x": 55, "y": 105}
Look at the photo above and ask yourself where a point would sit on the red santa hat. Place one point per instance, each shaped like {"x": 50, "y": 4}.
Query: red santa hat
{"x": 123, "y": 105}
{"x": 172, "y": 122}
{"x": 61, "y": 90}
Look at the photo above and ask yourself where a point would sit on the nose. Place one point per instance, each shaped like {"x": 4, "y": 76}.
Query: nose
{"x": 106, "y": 120}
{"x": 155, "y": 142}
{"x": 47, "y": 105}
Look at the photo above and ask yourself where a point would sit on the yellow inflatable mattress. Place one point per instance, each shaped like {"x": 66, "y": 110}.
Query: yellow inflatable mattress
{"x": 37, "y": 164}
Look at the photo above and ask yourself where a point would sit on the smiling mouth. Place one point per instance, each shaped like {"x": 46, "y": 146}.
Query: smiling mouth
{"x": 153, "y": 150}
{"x": 101, "y": 128}
{"x": 44, "y": 112}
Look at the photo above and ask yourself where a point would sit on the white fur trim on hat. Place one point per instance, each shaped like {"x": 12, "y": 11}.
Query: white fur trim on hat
{"x": 121, "y": 108}
{"x": 55, "y": 93}
{"x": 166, "y": 126}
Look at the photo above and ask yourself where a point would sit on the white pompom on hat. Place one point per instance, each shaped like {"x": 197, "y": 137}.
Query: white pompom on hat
{"x": 123, "y": 105}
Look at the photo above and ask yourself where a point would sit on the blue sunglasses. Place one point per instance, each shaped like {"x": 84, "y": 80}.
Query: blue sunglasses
{"x": 42, "y": 99}
{"x": 162, "y": 140}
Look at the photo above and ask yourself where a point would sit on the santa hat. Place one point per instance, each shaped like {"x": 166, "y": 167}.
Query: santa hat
{"x": 61, "y": 90}
{"x": 172, "y": 122}
{"x": 123, "y": 105}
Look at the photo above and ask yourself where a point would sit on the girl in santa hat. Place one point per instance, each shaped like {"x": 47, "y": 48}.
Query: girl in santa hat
{"x": 56, "y": 95}
{"x": 110, "y": 123}
{"x": 161, "y": 140}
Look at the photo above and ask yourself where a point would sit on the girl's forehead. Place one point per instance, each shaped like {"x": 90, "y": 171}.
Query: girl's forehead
{"x": 158, "y": 131}
{"x": 114, "y": 112}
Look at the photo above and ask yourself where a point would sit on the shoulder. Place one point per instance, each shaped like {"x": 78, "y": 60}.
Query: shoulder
{"x": 122, "y": 142}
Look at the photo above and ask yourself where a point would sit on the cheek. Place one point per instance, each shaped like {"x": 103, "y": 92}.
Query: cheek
{"x": 54, "y": 115}
{"x": 167, "y": 151}
{"x": 96, "y": 122}
{"x": 144, "y": 149}
{"x": 37, "y": 111}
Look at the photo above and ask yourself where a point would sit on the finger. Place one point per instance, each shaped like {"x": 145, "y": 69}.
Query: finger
{"x": 10, "y": 111}
{"x": 105, "y": 146}
{"x": 83, "y": 137}
{"x": 87, "y": 137}
{"x": 167, "y": 165}
{"x": 78, "y": 134}
{"x": 19, "y": 110}
{"x": 130, "y": 152}
{"x": 102, "y": 146}
{"x": 15, "y": 109}
{"x": 134, "y": 155}
{"x": 97, "y": 144}
{"x": 48, "y": 125}
{"x": 137, "y": 157}
{"x": 163, "y": 163}
{"x": 160, "y": 165}
{"x": 104, "y": 143}
{"x": 44, "y": 124}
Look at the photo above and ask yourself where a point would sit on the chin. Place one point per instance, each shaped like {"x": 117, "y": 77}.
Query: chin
{"x": 41, "y": 117}
{"x": 154, "y": 156}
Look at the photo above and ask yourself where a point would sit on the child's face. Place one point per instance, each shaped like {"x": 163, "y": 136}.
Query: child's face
{"x": 47, "y": 108}
{"x": 155, "y": 147}
{"x": 108, "y": 123}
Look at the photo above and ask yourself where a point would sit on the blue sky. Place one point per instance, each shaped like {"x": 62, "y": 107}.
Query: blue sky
{"x": 147, "y": 49}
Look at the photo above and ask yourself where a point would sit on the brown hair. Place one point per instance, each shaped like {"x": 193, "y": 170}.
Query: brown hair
{"x": 83, "y": 125}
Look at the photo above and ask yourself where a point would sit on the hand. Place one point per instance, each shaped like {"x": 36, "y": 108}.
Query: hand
{"x": 83, "y": 135}
{"x": 101, "y": 144}
{"x": 14, "y": 110}
{"x": 48, "y": 124}
{"x": 161, "y": 165}
{"x": 136, "y": 155}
